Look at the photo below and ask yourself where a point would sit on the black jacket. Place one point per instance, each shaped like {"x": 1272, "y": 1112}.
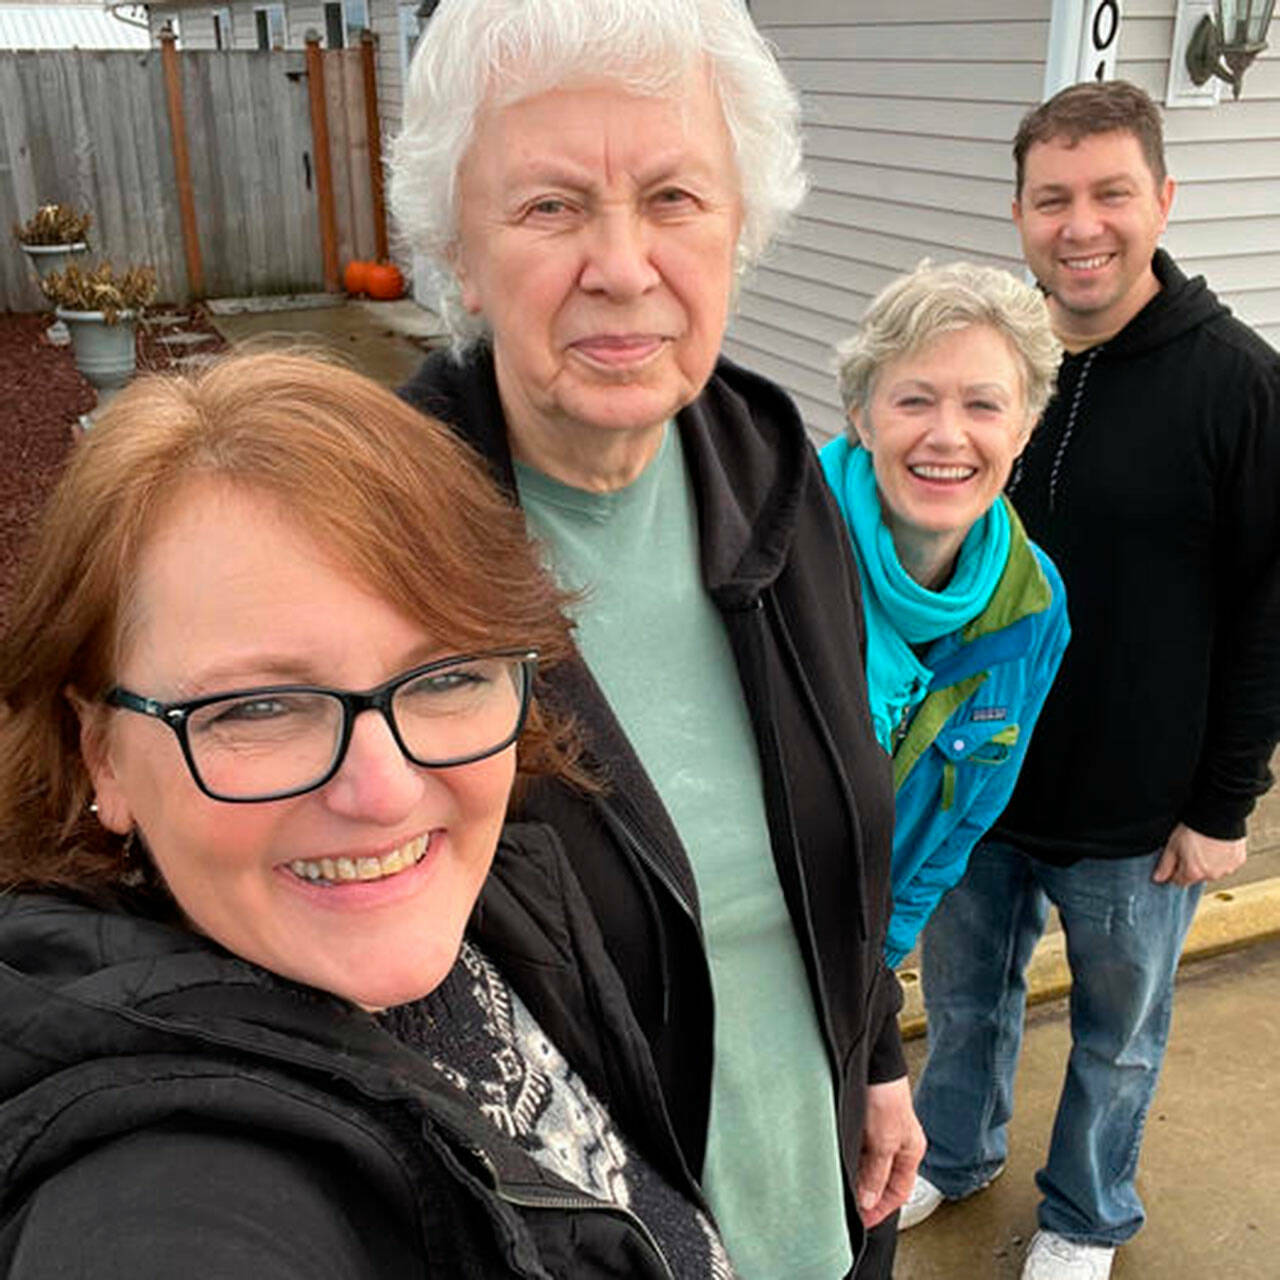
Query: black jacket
{"x": 1154, "y": 484}
{"x": 776, "y": 563}
{"x": 167, "y": 1110}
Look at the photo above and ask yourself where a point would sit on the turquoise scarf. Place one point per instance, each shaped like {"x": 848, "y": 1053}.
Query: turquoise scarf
{"x": 900, "y": 612}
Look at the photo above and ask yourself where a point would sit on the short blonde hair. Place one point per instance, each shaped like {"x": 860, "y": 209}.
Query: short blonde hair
{"x": 909, "y": 312}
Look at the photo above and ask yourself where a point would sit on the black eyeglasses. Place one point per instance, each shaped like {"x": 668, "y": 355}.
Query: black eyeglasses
{"x": 251, "y": 745}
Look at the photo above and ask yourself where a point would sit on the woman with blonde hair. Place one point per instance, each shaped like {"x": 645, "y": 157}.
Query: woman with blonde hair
{"x": 280, "y": 994}
{"x": 943, "y": 382}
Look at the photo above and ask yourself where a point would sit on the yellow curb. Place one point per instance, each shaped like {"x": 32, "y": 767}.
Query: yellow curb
{"x": 1226, "y": 919}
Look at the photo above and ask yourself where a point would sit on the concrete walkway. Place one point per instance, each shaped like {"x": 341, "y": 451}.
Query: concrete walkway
{"x": 1209, "y": 1173}
{"x": 385, "y": 340}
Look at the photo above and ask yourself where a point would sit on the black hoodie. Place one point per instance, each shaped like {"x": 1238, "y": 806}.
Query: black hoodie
{"x": 1153, "y": 482}
{"x": 170, "y": 1111}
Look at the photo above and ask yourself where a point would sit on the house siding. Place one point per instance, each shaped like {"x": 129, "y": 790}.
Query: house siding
{"x": 909, "y": 112}
{"x": 908, "y": 116}
{"x": 1226, "y": 160}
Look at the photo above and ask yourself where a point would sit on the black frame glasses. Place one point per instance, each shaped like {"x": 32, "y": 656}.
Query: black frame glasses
{"x": 177, "y": 716}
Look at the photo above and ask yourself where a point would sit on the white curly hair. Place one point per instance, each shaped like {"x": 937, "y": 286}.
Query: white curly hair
{"x": 492, "y": 53}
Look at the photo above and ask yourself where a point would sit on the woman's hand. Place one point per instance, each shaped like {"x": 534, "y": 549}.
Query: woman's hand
{"x": 893, "y": 1145}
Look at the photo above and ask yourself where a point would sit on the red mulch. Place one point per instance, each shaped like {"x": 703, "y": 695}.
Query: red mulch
{"x": 41, "y": 400}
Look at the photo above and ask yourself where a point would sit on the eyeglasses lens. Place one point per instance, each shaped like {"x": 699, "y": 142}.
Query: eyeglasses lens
{"x": 459, "y": 711}
{"x": 258, "y": 745}
{"x": 267, "y": 743}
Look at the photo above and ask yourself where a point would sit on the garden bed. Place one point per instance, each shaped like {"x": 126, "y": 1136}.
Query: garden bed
{"x": 41, "y": 400}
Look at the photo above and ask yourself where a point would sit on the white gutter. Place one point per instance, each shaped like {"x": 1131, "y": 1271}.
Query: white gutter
{"x": 113, "y": 7}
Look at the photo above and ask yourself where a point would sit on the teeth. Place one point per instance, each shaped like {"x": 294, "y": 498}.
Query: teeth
{"x": 339, "y": 870}
{"x": 942, "y": 473}
{"x": 1088, "y": 264}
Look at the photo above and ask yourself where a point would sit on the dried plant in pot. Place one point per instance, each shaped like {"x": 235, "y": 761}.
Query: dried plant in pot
{"x": 101, "y": 308}
{"x": 52, "y": 236}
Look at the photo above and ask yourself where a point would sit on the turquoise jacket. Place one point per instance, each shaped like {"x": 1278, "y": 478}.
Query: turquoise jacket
{"x": 956, "y": 760}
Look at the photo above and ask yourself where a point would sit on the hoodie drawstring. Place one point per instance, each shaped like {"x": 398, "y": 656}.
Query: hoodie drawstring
{"x": 1071, "y": 422}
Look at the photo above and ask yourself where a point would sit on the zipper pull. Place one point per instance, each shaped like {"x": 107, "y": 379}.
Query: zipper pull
{"x": 900, "y": 732}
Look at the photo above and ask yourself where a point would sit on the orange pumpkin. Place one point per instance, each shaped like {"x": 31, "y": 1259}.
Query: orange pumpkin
{"x": 384, "y": 282}
{"x": 355, "y": 279}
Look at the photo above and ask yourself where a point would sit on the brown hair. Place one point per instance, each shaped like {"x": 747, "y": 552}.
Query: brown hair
{"x": 389, "y": 493}
{"x": 1081, "y": 110}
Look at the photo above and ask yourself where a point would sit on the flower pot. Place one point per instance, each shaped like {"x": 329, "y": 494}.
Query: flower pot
{"x": 106, "y": 354}
{"x": 52, "y": 257}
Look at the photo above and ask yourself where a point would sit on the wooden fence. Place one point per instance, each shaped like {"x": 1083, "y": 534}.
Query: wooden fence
{"x": 97, "y": 130}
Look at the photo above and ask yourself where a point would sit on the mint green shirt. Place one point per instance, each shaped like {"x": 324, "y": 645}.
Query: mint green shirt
{"x": 658, "y": 648}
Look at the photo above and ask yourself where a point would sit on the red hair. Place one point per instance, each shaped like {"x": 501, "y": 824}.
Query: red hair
{"x": 390, "y": 494}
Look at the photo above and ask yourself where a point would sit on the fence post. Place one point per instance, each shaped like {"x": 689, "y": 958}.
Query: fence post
{"x": 324, "y": 169}
{"x": 182, "y": 162}
{"x": 373, "y": 129}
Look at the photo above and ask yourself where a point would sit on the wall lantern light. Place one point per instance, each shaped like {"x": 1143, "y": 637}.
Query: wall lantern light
{"x": 1234, "y": 34}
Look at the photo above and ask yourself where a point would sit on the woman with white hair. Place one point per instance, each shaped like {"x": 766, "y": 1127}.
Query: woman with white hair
{"x": 588, "y": 179}
{"x": 943, "y": 382}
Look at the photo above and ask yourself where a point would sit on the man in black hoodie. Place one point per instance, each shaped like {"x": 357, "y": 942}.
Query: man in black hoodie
{"x": 1154, "y": 483}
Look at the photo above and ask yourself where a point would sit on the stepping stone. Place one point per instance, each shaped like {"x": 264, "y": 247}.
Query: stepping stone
{"x": 187, "y": 339}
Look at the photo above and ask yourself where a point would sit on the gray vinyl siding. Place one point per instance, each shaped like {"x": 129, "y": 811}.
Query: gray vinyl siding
{"x": 1226, "y": 160}
{"x": 908, "y": 115}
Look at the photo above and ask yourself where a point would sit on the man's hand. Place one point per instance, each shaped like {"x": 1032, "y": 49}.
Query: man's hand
{"x": 892, "y": 1146}
{"x": 1190, "y": 858}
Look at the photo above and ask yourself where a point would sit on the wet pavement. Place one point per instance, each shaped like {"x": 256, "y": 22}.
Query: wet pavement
{"x": 385, "y": 340}
{"x": 1209, "y": 1173}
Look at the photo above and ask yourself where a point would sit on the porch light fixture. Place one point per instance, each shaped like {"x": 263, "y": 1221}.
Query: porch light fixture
{"x": 1234, "y": 34}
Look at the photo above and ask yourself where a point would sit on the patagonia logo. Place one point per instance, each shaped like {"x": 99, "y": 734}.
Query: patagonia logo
{"x": 990, "y": 713}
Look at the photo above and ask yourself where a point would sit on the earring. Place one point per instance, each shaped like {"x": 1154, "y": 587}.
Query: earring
{"x": 93, "y": 806}
{"x": 130, "y": 842}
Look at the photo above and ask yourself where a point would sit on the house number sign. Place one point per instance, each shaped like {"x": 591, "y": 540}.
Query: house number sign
{"x": 1099, "y": 40}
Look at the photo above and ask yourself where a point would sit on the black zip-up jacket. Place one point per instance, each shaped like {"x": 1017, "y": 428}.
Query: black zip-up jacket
{"x": 1154, "y": 484}
{"x": 170, "y": 1111}
{"x": 777, "y": 566}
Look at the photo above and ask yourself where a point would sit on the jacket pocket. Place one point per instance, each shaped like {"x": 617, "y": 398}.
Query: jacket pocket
{"x": 984, "y": 744}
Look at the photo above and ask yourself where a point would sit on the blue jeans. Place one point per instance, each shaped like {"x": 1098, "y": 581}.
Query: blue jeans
{"x": 1124, "y": 936}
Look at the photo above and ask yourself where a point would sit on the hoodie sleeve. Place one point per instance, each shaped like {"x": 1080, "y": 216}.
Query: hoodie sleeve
{"x": 1244, "y": 703}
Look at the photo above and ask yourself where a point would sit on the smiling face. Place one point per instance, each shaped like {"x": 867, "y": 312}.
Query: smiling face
{"x": 597, "y": 237}
{"x": 1091, "y": 214}
{"x": 230, "y": 596}
{"x": 943, "y": 427}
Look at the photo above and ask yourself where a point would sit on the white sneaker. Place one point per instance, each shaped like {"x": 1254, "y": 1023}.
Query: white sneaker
{"x": 925, "y": 1198}
{"x": 1054, "y": 1257}
{"x": 922, "y": 1201}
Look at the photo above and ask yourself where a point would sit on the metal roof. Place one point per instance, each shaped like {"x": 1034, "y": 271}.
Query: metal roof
{"x": 69, "y": 26}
